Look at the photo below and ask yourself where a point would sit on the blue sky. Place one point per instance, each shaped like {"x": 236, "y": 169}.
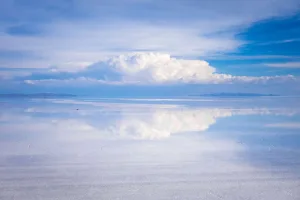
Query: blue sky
{"x": 164, "y": 47}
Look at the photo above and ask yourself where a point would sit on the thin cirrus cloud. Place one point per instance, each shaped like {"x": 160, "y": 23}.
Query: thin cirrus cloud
{"x": 284, "y": 65}
{"x": 83, "y": 31}
{"x": 147, "y": 68}
{"x": 285, "y": 125}
{"x": 87, "y": 42}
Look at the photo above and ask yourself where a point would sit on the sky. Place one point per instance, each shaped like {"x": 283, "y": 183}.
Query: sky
{"x": 150, "y": 47}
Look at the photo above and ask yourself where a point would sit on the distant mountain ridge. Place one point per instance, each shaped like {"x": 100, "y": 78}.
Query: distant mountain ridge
{"x": 36, "y": 95}
{"x": 224, "y": 94}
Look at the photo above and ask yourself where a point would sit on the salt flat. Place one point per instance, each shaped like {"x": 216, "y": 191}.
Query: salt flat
{"x": 150, "y": 149}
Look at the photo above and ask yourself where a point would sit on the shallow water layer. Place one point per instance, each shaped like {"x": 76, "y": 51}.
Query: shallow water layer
{"x": 150, "y": 149}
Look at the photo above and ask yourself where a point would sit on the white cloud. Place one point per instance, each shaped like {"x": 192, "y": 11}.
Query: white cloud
{"x": 284, "y": 65}
{"x": 150, "y": 68}
{"x": 154, "y": 67}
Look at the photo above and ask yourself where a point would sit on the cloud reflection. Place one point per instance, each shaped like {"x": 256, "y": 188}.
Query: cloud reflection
{"x": 109, "y": 120}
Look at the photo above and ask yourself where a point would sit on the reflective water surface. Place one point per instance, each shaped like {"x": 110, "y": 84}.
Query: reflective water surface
{"x": 150, "y": 149}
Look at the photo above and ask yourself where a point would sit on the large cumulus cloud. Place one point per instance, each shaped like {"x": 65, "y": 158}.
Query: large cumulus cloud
{"x": 146, "y": 68}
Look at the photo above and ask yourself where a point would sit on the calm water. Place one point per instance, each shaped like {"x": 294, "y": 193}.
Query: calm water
{"x": 150, "y": 149}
